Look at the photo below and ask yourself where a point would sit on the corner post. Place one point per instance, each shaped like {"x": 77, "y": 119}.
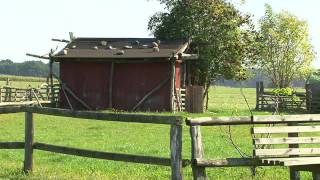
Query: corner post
{"x": 29, "y": 141}
{"x": 172, "y": 81}
{"x": 199, "y": 173}
{"x": 176, "y": 151}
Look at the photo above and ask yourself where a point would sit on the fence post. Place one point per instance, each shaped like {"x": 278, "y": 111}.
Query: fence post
{"x": 197, "y": 151}
{"x": 294, "y": 175}
{"x": 28, "y": 148}
{"x": 176, "y": 152}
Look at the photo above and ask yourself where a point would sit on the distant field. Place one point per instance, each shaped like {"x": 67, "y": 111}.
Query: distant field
{"x": 22, "y": 81}
{"x": 131, "y": 138}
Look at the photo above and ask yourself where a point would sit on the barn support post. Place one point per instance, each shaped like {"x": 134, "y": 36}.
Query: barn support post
{"x": 176, "y": 152}
{"x": 197, "y": 151}
{"x": 111, "y": 85}
{"x": 51, "y": 77}
{"x": 172, "y": 81}
{"x": 29, "y": 142}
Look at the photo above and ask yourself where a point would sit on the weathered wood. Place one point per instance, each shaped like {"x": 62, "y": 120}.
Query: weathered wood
{"x": 29, "y": 142}
{"x": 67, "y": 98}
{"x": 111, "y": 85}
{"x": 289, "y": 140}
{"x": 34, "y": 94}
{"x": 286, "y": 152}
{"x": 60, "y": 40}
{"x": 11, "y": 109}
{"x": 228, "y": 162}
{"x": 291, "y": 161}
{"x": 76, "y": 97}
{"x": 103, "y": 155}
{"x": 197, "y": 152}
{"x": 117, "y": 117}
{"x": 150, "y": 93}
{"x": 3, "y": 104}
{"x": 11, "y": 145}
{"x": 238, "y": 120}
{"x": 316, "y": 175}
{"x": 37, "y": 56}
{"x": 172, "y": 83}
{"x": 176, "y": 152}
{"x": 285, "y": 129}
{"x": 294, "y": 175}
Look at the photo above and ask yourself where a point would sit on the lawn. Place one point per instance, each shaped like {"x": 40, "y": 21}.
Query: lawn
{"x": 134, "y": 139}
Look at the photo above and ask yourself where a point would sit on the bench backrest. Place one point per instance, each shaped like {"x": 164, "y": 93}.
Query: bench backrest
{"x": 285, "y": 135}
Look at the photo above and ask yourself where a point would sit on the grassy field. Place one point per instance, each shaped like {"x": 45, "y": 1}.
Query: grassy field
{"x": 134, "y": 139}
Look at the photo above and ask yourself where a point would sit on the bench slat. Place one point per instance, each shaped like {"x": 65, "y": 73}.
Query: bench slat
{"x": 286, "y": 152}
{"x": 298, "y": 161}
{"x": 285, "y": 129}
{"x": 287, "y": 140}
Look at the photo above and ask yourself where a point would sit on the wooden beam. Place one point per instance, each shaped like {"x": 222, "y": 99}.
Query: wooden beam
{"x": 176, "y": 152}
{"x": 150, "y": 93}
{"x": 11, "y": 145}
{"x": 116, "y": 117}
{"x": 11, "y": 109}
{"x": 172, "y": 84}
{"x": 286, "y": 152}
{"x": 37, "y": 56}
{"x": 285, "y": 129}
{"x": 111, "y": 85}
{"x": 29, "y": 142}
{"x": 242, "y": 120}
{"x": 287, "y": 140}
{"x": 103, "y": 155}
{"x": 76, "y": 97}
{"x": 34, "y": 94}
{"x": 228, "y": 162}
{"x": 60, "y": 40}
{"x": 67, "y": 98}
{"x": 197, "y": 152}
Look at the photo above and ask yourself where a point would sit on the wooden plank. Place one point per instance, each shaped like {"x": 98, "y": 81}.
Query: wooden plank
{"x": 287, "y": 140}
{"x": 116, "y": 117}
{"x": 228, "y": 162}
{"x": 238, "y": 120}
{"x": 22, "y": 103}
{"x": 111, "y": 84}
{"x": 29, "y": 142}
{"x": 103, "y": 155}
{"x": 176, "y": 152}
{"x": 294, "y": 161}
{"x": 11, "y": 145}
{"x": 172, "y": 83}
{"x": 150, "y": 93}
{"x": 286, "y": 152}
{"x": 197, "y": 152}
{"x": 285, "y": 129}
{"x": 11, "y": 109}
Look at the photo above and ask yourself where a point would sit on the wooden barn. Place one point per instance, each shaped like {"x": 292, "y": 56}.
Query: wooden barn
{"x": 131, "y": 74}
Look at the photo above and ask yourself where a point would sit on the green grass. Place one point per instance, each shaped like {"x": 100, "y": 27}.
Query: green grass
{"x": 130, "y": 138}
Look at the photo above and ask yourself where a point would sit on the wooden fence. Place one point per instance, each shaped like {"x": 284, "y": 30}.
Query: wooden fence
{"x": 268, "y": 101}
{"x": 15, "y": 96}
{"x": 175, "y": 122}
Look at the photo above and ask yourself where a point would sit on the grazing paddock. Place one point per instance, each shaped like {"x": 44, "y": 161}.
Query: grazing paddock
{"x": 152, "y": 140}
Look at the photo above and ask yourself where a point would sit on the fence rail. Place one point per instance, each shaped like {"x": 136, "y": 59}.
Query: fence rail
{"x": 175, "y": 122}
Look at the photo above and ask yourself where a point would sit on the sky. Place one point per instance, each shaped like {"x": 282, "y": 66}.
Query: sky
{"x": 29, "y": 26}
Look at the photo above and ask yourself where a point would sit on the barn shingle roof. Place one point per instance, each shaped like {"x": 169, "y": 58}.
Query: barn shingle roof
{"x": 120, "y": 48}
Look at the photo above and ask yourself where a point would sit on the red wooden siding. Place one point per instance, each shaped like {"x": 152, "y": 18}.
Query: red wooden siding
{"x": 90, "y": 81}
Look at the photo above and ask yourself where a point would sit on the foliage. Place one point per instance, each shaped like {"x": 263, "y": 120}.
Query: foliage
{"x": 286, "y": 52}
{"x": 314, "y": 78}
{"x": 283, "y": 91}
{"x": 27, "y": 68}
{"x": 223, "y": 37}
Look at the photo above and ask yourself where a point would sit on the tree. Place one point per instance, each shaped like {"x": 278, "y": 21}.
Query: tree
{"x": 223, "y": 37}
{"x": 286, "y": 51}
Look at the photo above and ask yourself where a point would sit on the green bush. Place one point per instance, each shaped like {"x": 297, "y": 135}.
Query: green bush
{"x": 283, "y": 91}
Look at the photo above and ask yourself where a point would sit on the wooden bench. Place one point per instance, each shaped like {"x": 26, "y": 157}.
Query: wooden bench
{"x": 285, "y": 150}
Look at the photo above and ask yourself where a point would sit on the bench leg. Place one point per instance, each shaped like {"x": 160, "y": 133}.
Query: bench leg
{"x": 294, "y": 175}
{"x": 316, "y": 175}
